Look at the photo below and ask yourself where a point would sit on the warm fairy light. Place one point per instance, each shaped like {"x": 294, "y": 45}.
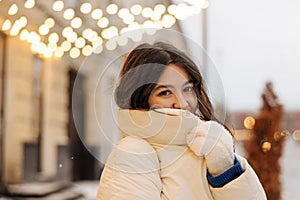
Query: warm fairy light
{"x": 15, "y": 28}
{"x": 23, "y": 21}
{"x": 87, "y": 50}
{"x": 97, "y": 49}
{"x": 249, "y": 122}
{"x": 69, "y": 13}
{"x": 132, "y": 26}
{"x": 111, "y": 45}
{"x": 33, "y": 37}
{"x": 172, "y": 9}
{"x": 86, "y": 8}
{"x": 29, "y": 4}
{"x": 158, "y": 24}
{"x": 13, "y": 9}
{"x": 74, "y": 52}
{"x": 6, "y": 25}
{"x": 72, "y": 37}
{"x": 48, "y": 53}
{"x": 103, "y": 22}
{"x": 97, "y": 14}
{"x": 66, "y": 45}
{"x": 155, "y": 16}
{"x": 266, "y": 146}
{"x": 53, "y": 38}
{"x": 76, "y": 22}
{"x": 98, "y": 41}
{"x": 296, "y": 135}
{"x": 122, "y": 40}
{"x": 87, "y": 33}
{"x": 160, "y": 8}
{"x": 136, "y": 9}
{"x": 80, "y": 42}
{"x": 59, "y": 52}
{"x": 40, "y": 47}
{"x": 50, "y": 22}
{"x": 67, "y": 31}
{"x": 112, "y": 9}
{"x": 24, "y": 34}
{"x": 136, "y": 36}
{"x": 43, "y": 29}
{"x": 58, "y": 6}
{"x": 129, "y": 19}
{"x": 52, "y": 46}
{"x": 168, "y": 21}
{"x": 147, "y": 12}
{"x": 123, "y": 12}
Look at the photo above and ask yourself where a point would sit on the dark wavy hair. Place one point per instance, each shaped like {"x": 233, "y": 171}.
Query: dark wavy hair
{"x": 142, "y": 69}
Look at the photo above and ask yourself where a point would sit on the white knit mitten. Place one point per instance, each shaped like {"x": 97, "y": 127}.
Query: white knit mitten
{"x": 212, "y": 141}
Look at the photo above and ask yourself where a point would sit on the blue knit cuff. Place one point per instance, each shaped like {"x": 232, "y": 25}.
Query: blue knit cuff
{"x": 232, "y": 173}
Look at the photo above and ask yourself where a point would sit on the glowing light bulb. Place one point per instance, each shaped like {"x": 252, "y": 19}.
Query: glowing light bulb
{"x": 123, "y": 12}
{"x": 59, "y": 52}
{"x": 66, "y": 45}
{"x": 97, "y": 14}
{"x": 29, "y": 4}
{"x": 74, "y": 52}
{"x": 76, "y": 22}
{"x": 80, "y": 42}
{"x": 160, "y": 8}
{"x": 103, "y": 22}
{"x": 53, "y": 37}
{"x": 50, "y": 22}
{"x": 112, "y": 9}
{"x": 86, "y": 8}
{"x": 69, "y": 13}
{"x": 136, "y": 9}
{"x": 6, "y": 25}
{"x": 13, "y": 9}
{"x": 67, "y": 31}
{"x": 87, "y": 50}
{"x": 58, "y": 6}
{"x": 147, "y": 12}
{"x": 249, "y": 122}
{"x": 43, "y": 29}
{"x": 24, "y": 34}
{"x": 168, "y": 21}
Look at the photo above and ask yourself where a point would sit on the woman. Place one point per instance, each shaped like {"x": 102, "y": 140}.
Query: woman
{"x": 173, "y": 147}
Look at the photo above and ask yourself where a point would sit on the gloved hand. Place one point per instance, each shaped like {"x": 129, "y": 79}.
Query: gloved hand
{"x": 212, "y": 141}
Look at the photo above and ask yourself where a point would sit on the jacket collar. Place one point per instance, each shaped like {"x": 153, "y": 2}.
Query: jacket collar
{"x": 160, "y": 126}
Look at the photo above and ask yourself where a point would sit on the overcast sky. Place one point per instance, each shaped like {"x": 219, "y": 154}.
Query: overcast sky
{"x": 252, "y": 42}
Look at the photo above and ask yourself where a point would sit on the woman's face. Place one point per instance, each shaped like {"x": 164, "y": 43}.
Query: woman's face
{"x": 174, "y": 89}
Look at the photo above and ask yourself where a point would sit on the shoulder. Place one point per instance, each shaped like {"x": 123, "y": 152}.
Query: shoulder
{"x": 133, "y": 155}
{"x": 134, "y": 144}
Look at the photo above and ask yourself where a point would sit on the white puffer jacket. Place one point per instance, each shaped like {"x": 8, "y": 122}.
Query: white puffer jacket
{"x": 153, "y": 162}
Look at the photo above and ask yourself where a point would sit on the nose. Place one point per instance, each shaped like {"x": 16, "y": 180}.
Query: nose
{"x": 180, "y": 102}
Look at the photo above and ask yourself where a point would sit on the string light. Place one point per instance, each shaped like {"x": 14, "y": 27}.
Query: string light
{"x": 112, "y": 9}
{"x": 97, "y": 14}
{"x": 153, "y": 18}
{"x": 86, "y": 8}
{"x": 29, "y": 4}
{"x": 13, "y": 9}
{"x": 58, "y": 6}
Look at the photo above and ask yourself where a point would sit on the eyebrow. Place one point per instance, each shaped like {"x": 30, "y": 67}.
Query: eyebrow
{"x": 171, "y": 86}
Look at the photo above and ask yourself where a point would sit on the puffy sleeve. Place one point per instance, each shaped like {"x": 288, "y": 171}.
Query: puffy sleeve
{"x": 131, "y": 172}
{"x": 247, "y": 186}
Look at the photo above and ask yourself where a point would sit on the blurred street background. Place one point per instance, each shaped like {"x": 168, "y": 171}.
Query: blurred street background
{"x": 59, "y": 63}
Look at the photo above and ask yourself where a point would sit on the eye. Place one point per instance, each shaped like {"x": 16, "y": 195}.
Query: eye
{"x": 188, "y": 89}
{"x": 164, "y": 93}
